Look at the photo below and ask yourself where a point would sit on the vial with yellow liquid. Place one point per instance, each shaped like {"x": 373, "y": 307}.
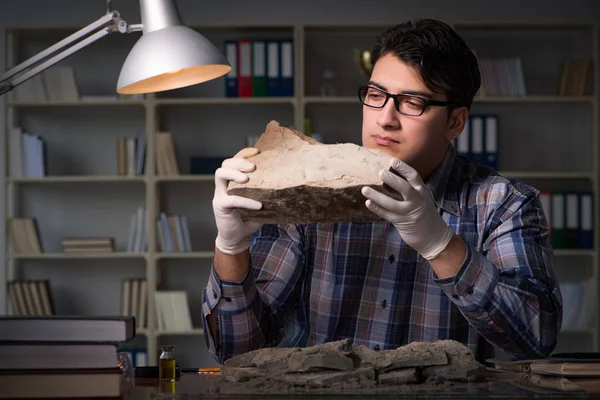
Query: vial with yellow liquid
{"x": 166, "y": 364}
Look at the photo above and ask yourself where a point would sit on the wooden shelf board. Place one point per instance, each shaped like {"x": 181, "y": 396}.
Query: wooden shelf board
{"x": 186, "y": 178}
{"x": 574, "y": 252}
{"x": 478, "y": 99}
{"x": 548, "y": 175}
{"x": 100, "y": 103}
{"x": 225, "y": 100}
{"x": 78, "y": 179}
{"x": 185, "y": 255}
{"x": 65, "y": 256}
{"x": 193, "y": 332}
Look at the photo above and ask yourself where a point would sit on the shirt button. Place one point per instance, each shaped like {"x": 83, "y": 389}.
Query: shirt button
{"x": 392, "y": 258}
{"x": 228, "y": 299}
{"x": 214, "y": 294}
{"x": 384, "y": 304}
{"x": 376, "y": 347}
{"x": 470, "y": 290}
{"x": 455, "y": 296}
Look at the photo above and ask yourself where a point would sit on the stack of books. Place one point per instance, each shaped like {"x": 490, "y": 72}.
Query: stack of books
{"x": 88, "y": 245}
{"x": 62, "y": 356}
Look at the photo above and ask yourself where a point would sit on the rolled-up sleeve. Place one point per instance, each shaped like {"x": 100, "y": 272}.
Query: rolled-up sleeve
{"x": 243, "y": 310}
{"x": 507, "y": 290}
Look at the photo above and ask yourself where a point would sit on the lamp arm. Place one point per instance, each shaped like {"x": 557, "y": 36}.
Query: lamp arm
{"x": 104, "y": 26}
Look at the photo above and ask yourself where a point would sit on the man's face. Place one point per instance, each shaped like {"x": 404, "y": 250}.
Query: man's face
{"x": 420, "y": 141}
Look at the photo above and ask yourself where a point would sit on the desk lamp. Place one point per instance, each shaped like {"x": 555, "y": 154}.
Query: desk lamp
{"x": 169, "y": 55}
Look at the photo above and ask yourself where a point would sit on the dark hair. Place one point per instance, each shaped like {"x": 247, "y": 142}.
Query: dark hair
{"x": 443, "y": 59}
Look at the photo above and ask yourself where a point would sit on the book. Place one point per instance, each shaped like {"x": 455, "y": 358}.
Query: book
{"x": 66, "y": 328}
{"x": 87, "y": 383}
{"x": 57, "y": 356}
{"x": 563, "y": 365}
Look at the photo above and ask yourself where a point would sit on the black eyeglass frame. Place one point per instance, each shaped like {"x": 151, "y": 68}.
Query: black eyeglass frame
{"x": 427, "y": 102}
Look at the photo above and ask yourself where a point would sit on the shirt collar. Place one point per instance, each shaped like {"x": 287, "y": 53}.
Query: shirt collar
{"x": 442, "y": 185}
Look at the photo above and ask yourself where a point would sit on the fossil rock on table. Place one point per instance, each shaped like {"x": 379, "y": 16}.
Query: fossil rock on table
{"x": 336, "y": 363}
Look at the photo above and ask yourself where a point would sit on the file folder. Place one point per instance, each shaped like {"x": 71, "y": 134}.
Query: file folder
{"x": 477, "y": 140}
{"x": 245, "y": 68}
{"x": 231, "y": 86}
{"x": 559, "y": 238}
{"x": 491, "y": 141}
{"x": 259, "y": 69}
{"x": 287, "y": 68}
{"x": 572, "y": 222}
{"x": 586, "y": 222}
{"x": 463, "y": 141}
{"x": 273, "y": 75}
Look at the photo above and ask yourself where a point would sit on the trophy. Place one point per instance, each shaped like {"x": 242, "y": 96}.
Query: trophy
{"x": 362, "y": 59}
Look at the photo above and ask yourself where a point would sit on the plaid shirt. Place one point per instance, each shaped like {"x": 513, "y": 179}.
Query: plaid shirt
{"x": 316, "y": 283}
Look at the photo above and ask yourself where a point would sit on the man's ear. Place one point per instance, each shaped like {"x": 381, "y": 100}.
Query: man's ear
{"x": 456, "y": 122}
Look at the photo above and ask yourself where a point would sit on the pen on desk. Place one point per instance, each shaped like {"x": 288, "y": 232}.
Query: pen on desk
{"x": 203, "y": 371}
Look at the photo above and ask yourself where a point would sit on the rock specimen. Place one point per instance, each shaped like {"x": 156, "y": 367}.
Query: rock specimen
{"x": 342, "y": 363}
{"x": 299, "y": 180}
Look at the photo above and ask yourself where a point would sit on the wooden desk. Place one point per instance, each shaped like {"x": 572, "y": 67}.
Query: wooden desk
{"x": 192, "y": 383}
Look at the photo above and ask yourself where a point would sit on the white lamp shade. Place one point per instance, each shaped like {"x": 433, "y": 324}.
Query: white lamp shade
{"x": 170, "y": 58}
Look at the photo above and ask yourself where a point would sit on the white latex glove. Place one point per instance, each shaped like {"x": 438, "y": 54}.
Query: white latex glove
{"x": 416, "y": 217}
{"x": 233, "y": 233}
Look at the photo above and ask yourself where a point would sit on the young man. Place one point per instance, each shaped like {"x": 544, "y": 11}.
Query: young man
{"x": 465, "y": 256}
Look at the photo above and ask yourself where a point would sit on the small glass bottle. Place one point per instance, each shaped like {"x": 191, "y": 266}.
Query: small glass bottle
{"x": 166, "y": 364}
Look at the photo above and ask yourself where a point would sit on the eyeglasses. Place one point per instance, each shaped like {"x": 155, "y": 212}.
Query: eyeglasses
{"x": 406, "y": 104}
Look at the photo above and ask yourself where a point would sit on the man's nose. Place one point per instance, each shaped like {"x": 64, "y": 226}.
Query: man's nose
{"x": 388, "y": 116}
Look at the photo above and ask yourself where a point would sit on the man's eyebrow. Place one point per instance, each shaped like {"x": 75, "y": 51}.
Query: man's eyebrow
{"x": 377, "y": 85}
{"x": 420, "y": 93}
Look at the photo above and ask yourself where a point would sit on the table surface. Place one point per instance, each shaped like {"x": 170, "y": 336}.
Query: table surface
{"x": 194, "y": 385}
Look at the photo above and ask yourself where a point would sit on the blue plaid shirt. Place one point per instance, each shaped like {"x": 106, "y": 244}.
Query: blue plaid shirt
{"x": 310, "y": 284}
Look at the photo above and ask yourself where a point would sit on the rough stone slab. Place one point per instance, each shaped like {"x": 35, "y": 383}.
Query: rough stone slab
{"x": 324, "y": 379}
{"x": 415, "y": 354}
{"x": 343, "y": 346}
{"x": 301, "y": 362}
{"x": 462, "y": 365}
{"x": 274, "y": 359}
{"x": 261, "y": 357}
{"x": 299, "y": 180}
{"x": 235, "y": 375}
{"x": 399, "y": 377}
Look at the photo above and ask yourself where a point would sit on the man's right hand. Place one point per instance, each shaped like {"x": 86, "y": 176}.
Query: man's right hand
{"x": 233, "y": 233}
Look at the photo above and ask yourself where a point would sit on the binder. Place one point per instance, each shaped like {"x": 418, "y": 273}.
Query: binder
{"x": 231, "y": 87}
{"x": 586, "y": 222}
{"x": 259, "y": 69}
{"x": 245, "y": 68}
{"x": 572, "y": 214}
{"x": 477, "y": 135}
{"x": 559, "y": 239}
{"x": 273, "y": 75}
{"x": 491, "y": 141}
{"x": 463, "y": 141}
{"x": 545, "y": 200}
{"x": 287, "y": 68}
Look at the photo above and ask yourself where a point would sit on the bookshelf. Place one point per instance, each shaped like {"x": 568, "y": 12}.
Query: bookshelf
{"x": 84, "y": 196}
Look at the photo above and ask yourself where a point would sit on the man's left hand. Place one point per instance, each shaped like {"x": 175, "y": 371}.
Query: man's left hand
{"x": 416, "y": 217}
